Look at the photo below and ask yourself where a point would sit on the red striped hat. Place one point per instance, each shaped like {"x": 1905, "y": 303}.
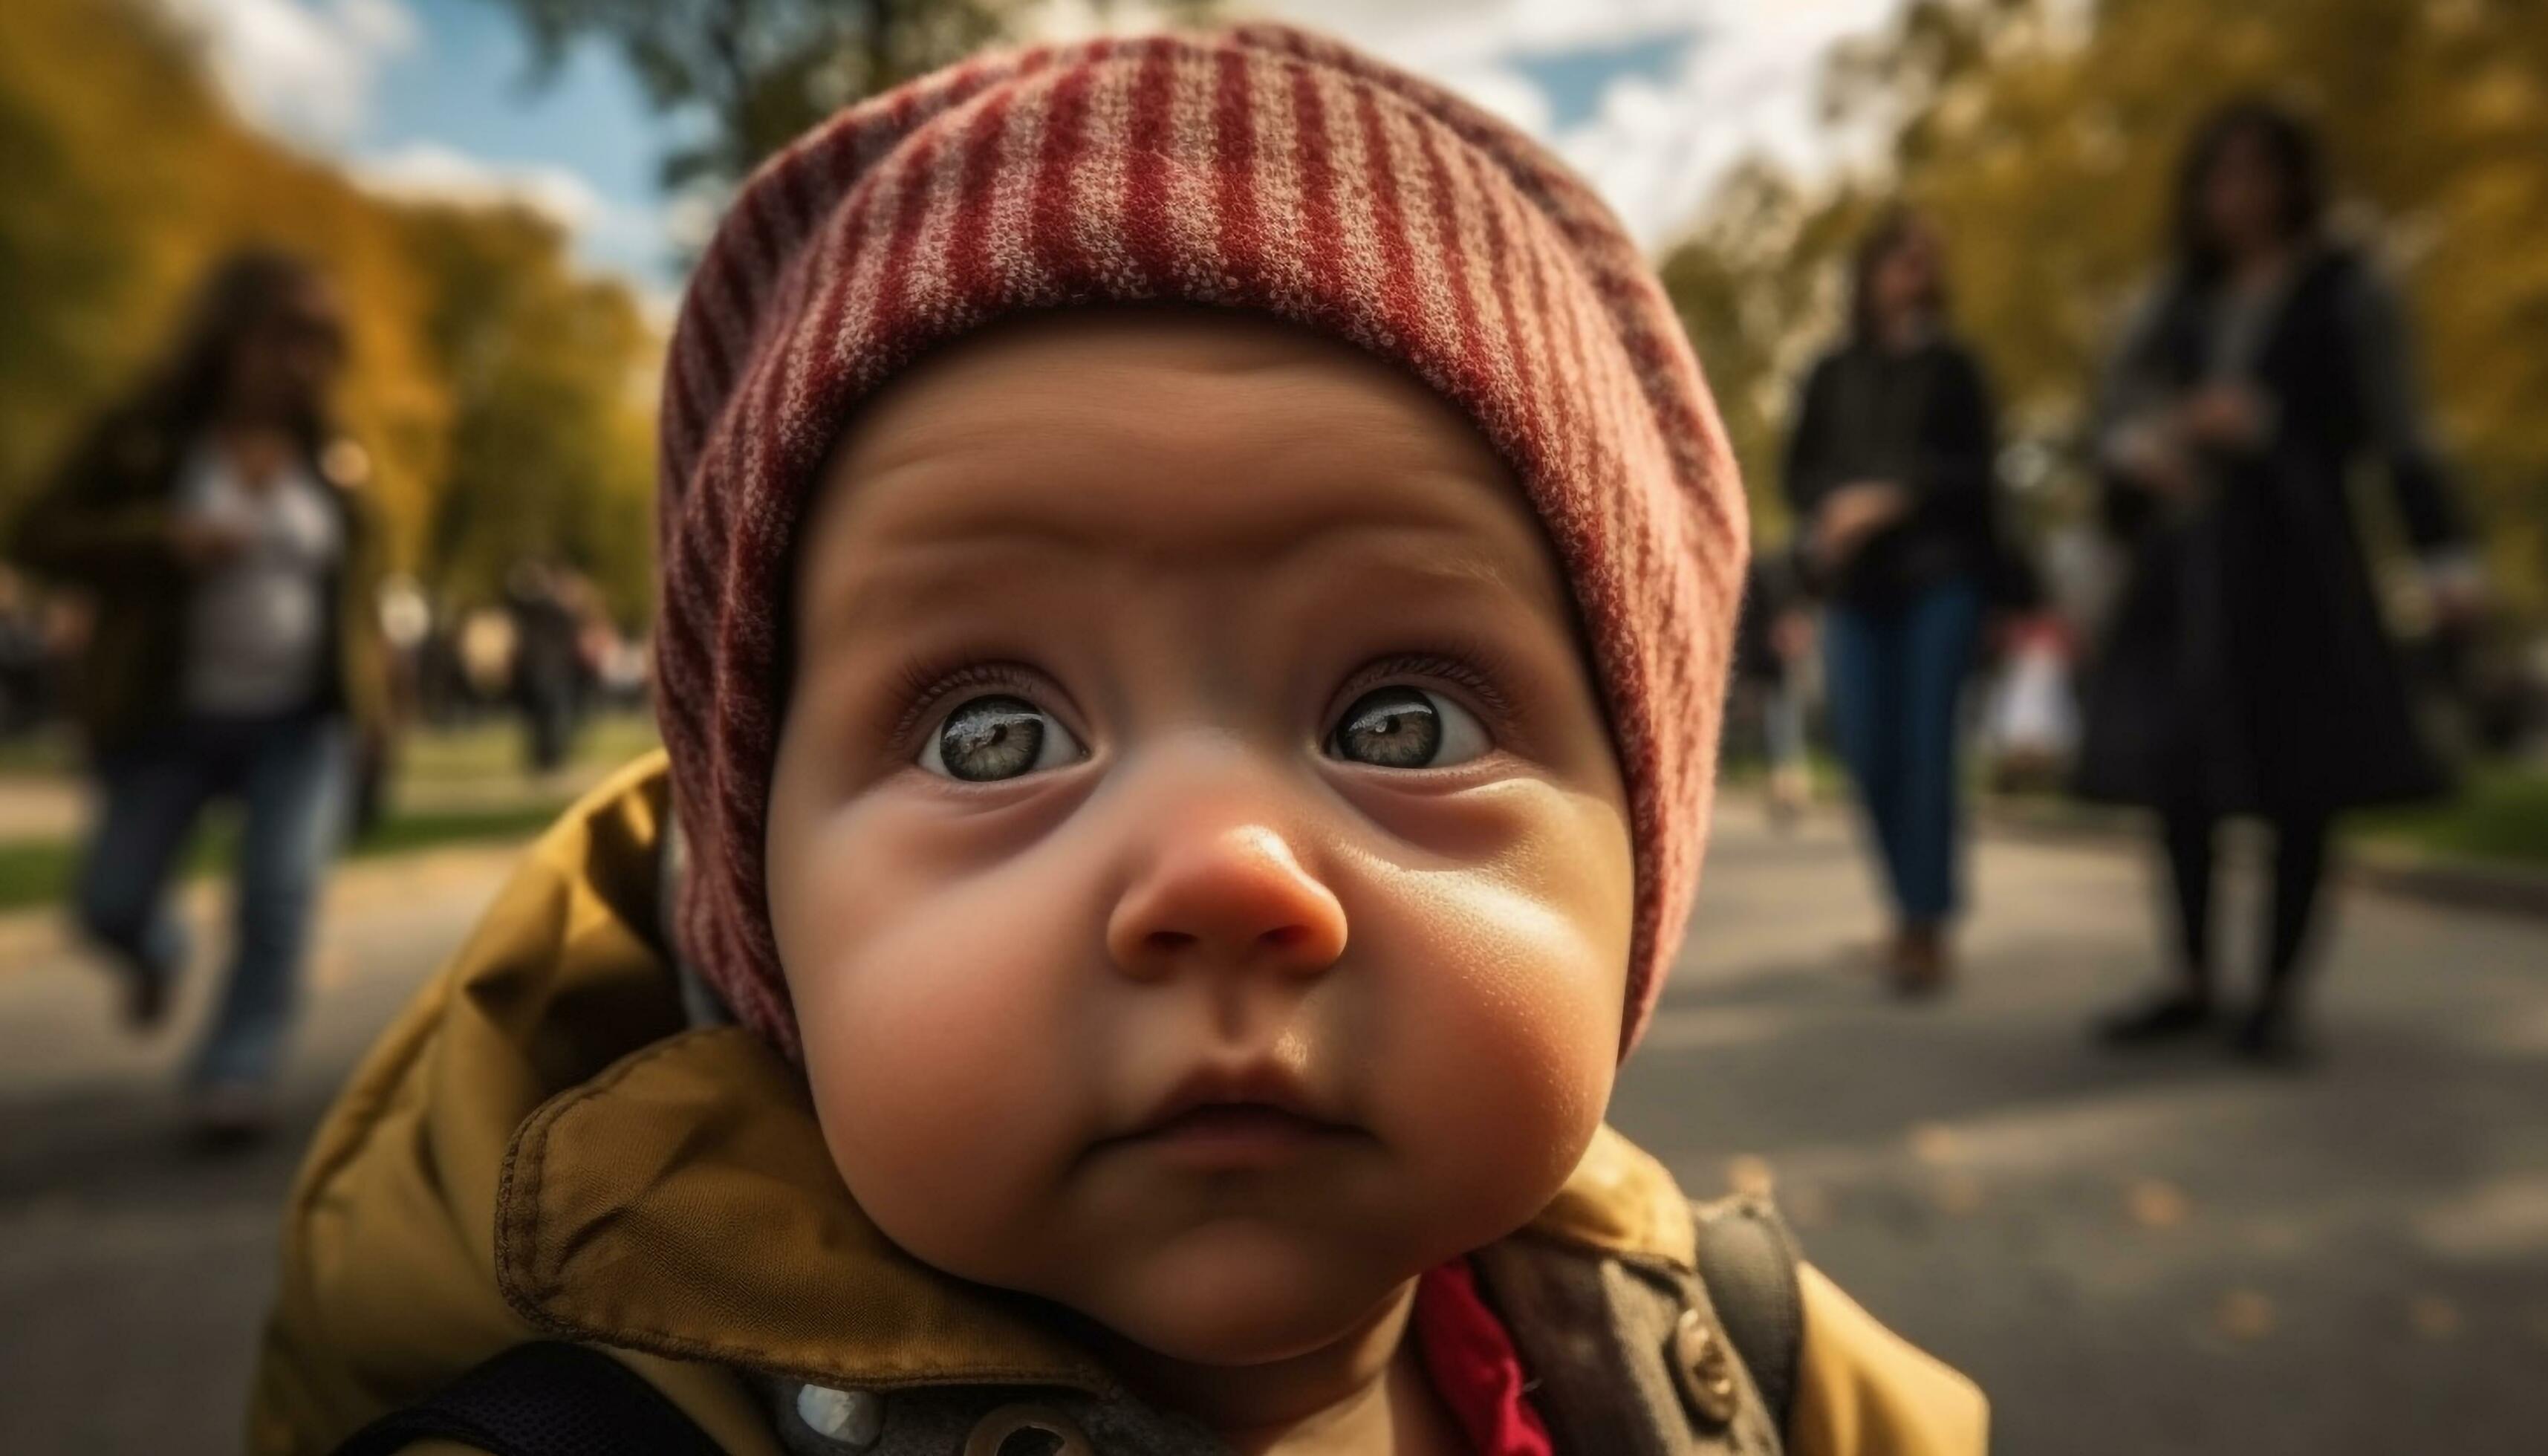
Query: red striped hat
{"x": 1258, "y": 168}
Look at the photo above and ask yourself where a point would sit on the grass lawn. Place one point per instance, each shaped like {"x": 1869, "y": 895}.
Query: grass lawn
{"x": 454, "y": 787}
{"x": 2500, "y": 815}
{"x": 490, "y": 754}
{"x": 46, "y": 750}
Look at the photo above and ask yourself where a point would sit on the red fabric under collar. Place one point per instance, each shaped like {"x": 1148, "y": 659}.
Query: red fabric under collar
{"x": 1474, "y": 1366}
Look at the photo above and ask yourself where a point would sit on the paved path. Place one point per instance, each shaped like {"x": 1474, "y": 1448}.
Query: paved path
{"x": 42, "y": 806}
{"x": 2134, "y": 1256}
{"x": 2172, "y": 1254}
{"x": 133, "y": 1272}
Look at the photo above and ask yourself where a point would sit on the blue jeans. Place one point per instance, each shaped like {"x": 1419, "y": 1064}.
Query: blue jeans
{"x": 1896, "y": 680}
{"x": 291, "y": 775}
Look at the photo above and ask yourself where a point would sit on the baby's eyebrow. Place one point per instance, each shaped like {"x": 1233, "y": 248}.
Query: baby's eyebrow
{"x": 931, "y": 579}
{"x": 919, "y": 580}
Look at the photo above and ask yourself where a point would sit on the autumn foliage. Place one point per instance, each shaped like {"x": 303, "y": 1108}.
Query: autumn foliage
{"x": 2042, "y": 133}
{"x": 504, "y": 396}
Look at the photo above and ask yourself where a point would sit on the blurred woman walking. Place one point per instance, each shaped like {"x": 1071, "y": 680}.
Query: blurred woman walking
{"x": 214, "y": 522}
{"x": 1889, "y": 472}
{"x": 2246, "y": 670}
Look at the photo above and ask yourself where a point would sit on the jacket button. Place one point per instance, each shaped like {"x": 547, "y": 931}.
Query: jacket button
{"x": 855, "y": 1418}
{"x": 1704, "y": 1369}
{"x": 1027, "y": 1431}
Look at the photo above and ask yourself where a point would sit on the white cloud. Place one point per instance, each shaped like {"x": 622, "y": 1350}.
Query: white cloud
{"x": 1439, "y": 37}
{"x": 690, "y": 219}
{"x": 1653, "y": 144}
{"x": 303, "y": 68}
{"x": 629, "y": 241}
{"x": 432, "y": 171}
{"x": 1751, "y": 86}
{"x": 383, "y": 25}
{"x": 1653, "y": 147}
{"x": 1502, "y": 90}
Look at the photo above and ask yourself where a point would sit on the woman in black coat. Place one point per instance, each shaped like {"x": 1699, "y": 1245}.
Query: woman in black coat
{"x": 1889, "y": 472}
{"x": 2246, "y": 670}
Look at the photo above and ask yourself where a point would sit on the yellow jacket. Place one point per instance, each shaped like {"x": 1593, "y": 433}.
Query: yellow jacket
{"x": 542, "y": 1146}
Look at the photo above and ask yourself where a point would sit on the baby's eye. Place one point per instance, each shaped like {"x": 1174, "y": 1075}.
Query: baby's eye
{"x": 998, "y": 736}
{"x": 1407, "y": 728}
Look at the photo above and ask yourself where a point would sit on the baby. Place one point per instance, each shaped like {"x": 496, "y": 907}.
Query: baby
{"x": 1196, "y": 582}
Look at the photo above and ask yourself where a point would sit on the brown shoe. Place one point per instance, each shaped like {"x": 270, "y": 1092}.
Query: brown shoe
{"x": 146, "y": 999}
{"x": 1922, "y": 965}
{"x": 2167, "y": 1015}
{"x": 227, "y": 1115}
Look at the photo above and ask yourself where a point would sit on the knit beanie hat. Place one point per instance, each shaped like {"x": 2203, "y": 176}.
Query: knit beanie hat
{"x": 1257, "y": 168}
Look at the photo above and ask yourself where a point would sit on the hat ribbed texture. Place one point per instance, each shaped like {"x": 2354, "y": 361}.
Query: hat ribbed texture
{"x": 1258, "y": 168}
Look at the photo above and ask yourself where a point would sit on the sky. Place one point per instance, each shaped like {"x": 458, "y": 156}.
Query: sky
{"x": 1651, "y": 99}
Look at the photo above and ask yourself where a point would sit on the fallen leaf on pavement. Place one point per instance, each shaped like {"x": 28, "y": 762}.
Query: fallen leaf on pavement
{"x": 2432, "y": 1318}
{"x": 1934, "y": 1143}
{"x": 2156, "y": 1203}
{"x": 2244, "y": 1314}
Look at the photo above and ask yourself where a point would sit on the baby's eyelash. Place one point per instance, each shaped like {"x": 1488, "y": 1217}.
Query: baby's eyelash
{"x": 1463, "y": 670}
{"x": 927, "y": 684}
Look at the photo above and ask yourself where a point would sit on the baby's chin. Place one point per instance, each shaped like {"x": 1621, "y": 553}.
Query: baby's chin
{"x": 1239, "y": 1292}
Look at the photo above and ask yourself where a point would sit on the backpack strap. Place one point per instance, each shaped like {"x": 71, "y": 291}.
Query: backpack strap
{"x": 544, "y": 1399}
{"x": 1748, "y": 1261}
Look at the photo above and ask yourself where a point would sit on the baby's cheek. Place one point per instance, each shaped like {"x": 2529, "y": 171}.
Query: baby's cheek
{"x": 934, "y": 1050}
{"x": 1503, "y": 986}
{"x": 1506, "y": 1030}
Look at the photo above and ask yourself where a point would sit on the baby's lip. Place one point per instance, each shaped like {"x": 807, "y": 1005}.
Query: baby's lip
{"x": 1260, "y": 1101}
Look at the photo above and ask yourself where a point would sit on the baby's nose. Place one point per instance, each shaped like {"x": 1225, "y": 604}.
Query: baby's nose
{"x": 1234, "y": 896}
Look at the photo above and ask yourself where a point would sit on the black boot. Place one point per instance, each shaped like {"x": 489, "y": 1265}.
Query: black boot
{"x": 2171, "y": 1015}
{"x": 145, "y": 997}
{"x": 2270, "y": 1036}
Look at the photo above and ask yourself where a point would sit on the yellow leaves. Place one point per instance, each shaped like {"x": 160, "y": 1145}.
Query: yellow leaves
{"x": 128, "y": 178}
{"x": 2244, "y": 1314}
{"x": 1952, "y": 1187}
{"x": 2046, "y": 155}
{"x": 2247, "y": 1315}
{"x": 2155, "y": 1204}
{"x": 1957, "y": 1194}
{"x": 2506, "y": 97}
{"x": 1935, "y": 1145}
{"x": 2432, "y": 1318}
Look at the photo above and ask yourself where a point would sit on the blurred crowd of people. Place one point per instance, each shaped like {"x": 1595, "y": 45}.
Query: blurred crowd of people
{"x": 546, "y": 640}
{"x": 234, "y": 633}
{"x": 2239, "y": 664}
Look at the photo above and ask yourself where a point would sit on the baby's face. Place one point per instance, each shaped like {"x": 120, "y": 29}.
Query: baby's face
{"x": 1195, "y": 847}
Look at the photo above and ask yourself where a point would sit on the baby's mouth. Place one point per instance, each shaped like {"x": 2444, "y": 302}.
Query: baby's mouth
{"x": 1232, "y": 1135}
{"x": 1226, "y": 1122}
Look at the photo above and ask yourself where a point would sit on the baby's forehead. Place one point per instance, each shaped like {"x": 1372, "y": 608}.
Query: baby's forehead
{"x": 1187, "y": 433}
{"x": 1182, "y": 381}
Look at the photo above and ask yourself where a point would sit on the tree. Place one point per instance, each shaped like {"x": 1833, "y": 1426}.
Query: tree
{"x": 551, "y": 377}
{"x": 764, "y": 71}
{"x": 503, "y": 395}
{"x": 128, "y": 178}
{"x": 2042, "y": 138}
{"x": 1756, "y": 296}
